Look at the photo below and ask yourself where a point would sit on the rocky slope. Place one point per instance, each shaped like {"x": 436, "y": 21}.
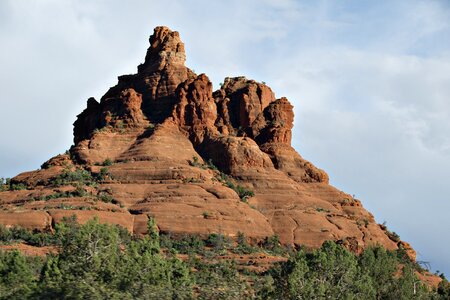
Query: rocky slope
{"x": 162, "y": 143}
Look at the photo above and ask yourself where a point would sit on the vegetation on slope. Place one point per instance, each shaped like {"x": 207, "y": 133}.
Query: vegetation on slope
{"x": 101, "y": 261}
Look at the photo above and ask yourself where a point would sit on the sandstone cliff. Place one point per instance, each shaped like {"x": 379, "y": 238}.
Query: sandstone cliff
{"x": 162, "y": 143}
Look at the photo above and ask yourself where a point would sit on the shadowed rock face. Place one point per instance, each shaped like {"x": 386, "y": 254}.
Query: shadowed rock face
{"x": 157, "y": 128}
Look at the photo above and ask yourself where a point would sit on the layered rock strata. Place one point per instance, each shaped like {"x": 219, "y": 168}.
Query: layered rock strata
{"x": 162, "y": 143}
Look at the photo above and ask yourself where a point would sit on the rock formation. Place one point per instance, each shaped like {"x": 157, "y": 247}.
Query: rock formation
{"x": 162, "y": 143}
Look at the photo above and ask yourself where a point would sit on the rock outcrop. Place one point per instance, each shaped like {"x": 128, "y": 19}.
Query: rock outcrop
{"x": 162, "y": 143}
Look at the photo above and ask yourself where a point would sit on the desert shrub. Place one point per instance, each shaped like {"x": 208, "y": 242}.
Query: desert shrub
{"x": 79, "y": 176}
{"x": 443, "y": 290}
{"x": 321, "y": 209}
{"x": 5, "y": 235}
{"x": 242, "y": 192}
{"x": 103, "y": 174}
{"x": 219, "y": 281}
{"x": 78, "y": 192}
{"x": 393, "y": 236}
{"x": 106, "y": 197}
{"x": 272, "y": 245}
{"x": 107, "y": 162}
{"x": 242, "y": 245}
{"x": 218, "y": 242}
{"x": 18, "y": 234}
{"x": 17, "y": 186}
{"x": 195, "y": 162}
{"x": 186, "y": 244}
{"x": 7, "y": 185}
{"x": 210, "y": 165}
{"x": 4, "y": 184}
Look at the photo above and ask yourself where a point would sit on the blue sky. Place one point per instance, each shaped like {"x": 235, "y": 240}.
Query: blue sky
{"x": 370, "y": 82}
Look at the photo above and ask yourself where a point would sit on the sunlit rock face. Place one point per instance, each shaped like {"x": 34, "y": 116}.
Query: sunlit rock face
{"x": 162, "y": 143}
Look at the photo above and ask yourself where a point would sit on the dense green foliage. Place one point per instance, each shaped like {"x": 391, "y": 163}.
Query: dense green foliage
{"x": 18, "y": 234}
{"x": 100, "y": 261}
{"x": 7, "y": 185}
{"x": 96, "y": 261}
{"x": 332, "y": 272}
{"x": 78, "y": 176}
{"x": 107, "y": 162}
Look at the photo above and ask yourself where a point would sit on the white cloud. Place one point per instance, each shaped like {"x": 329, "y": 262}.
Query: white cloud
{"x": 378, "y": 123}
{"x": 370, "y": 83}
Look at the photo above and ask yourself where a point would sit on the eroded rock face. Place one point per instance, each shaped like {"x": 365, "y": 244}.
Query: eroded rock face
{"x": 235, "y": 155}
{"x": 196, "y": 111}
{"x": 148, "y": 95}
{"x": 166, "y": 51}
{"x": 159, "y": 144}
{"x": 286, "y": 159}
{"x": 241, "y": 102}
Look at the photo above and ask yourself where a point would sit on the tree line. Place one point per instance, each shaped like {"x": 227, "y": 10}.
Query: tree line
{"x": 103, "y": 261}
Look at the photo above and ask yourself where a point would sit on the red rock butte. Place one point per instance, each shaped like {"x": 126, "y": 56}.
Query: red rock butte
{"x": 198, "y": 161}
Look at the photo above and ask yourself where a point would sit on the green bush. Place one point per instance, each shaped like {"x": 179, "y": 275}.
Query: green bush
{"x": 327, "y": 273}
{"x": 219, "y": 281}
{"x": 103, "y": 175}
{"x": 18, "y": 275}
{"x": 4, "y": 184}
{"x": 107, "y": 162}
{"x": 7, "y": 185}
{"x": 79, "y": 176}
{"x": 17, "y": 186}
{"x": 443, "y": 289}
{"x": 219, "y": 242}
{"x": 208, "y": 165}
{"x": 272, "y": 245}
{"x": 106, "y": 197}
{"x": 195, "y": 162}
{"x": 242, "y": 192}
{"x": 17, "y": 234}
{"x": 78, "y": 192}
{"x": 96, "y": 262}
{"x": 243, "y": 246}
{"x": 332, "y": 272}
{"x": 393, "y": 236}
{"x": 186, "y": 244}
{"x": 101, "y": 261}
